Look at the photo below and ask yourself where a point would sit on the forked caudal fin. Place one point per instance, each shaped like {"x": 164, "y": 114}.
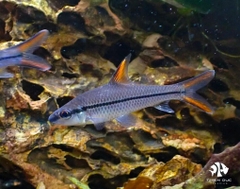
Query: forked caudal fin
{"x": 27, "y": 47}
{"x": 192, "y": 85}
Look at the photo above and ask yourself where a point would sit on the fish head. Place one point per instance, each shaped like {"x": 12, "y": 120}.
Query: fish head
{"x": 68, "y": 117}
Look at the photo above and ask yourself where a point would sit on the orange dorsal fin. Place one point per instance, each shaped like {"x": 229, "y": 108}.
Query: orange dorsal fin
{"x": 121, "y": 74}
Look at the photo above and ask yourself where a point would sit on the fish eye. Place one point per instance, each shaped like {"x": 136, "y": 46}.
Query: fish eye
{"x": 65, "y": 114}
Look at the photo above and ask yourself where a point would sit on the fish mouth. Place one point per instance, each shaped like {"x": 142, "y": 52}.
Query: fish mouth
{"x": 53, "y": 119}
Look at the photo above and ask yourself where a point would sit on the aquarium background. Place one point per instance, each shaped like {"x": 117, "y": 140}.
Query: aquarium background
{"x": 170, "y": 41}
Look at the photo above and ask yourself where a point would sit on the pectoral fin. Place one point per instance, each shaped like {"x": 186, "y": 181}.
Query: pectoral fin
{"x": 127, "y": 120}
{"x": 5, "y": 74}
{"x": 98, "y": 122}
{"x": 164, "y": 107}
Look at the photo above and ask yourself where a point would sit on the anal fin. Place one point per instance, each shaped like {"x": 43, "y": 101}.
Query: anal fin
{"x": 127, "y": 120}
{"x": 99, "y": 126}
{"x": 164, "y": 107}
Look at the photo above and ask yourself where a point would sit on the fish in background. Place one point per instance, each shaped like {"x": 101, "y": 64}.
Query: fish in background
{"x": 118, "y": 98}
{"x": 21, "y": 55}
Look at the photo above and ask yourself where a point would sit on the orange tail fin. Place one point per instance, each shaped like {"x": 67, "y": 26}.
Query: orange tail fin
{"x": 28, "y": 46}
{"x": 192, "y": 85}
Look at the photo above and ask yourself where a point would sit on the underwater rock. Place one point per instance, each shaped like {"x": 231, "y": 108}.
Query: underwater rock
{"x": 160, "y": 175}
{"x": 207, "y": 179}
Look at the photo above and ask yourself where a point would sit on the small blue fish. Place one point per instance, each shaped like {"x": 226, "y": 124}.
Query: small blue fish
{"x": 21, "y": 55}
{"x": 120, "y": 97}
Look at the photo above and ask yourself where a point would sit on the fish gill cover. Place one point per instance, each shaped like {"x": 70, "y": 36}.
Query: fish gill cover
{"x": 88, "y": 40}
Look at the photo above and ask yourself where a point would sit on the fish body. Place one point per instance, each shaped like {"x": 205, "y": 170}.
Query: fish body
{"x": 21, "y": 55}
{"x": 120, "y": 97}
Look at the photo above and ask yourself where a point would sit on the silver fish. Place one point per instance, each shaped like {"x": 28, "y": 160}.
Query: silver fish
{"x": 120, "y": 97}
{"x": 21, "y": 55}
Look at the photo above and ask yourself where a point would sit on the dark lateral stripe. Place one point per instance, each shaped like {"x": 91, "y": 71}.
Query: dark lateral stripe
{"x": 10, "y": 57}
{"x": 84, "y": 108}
